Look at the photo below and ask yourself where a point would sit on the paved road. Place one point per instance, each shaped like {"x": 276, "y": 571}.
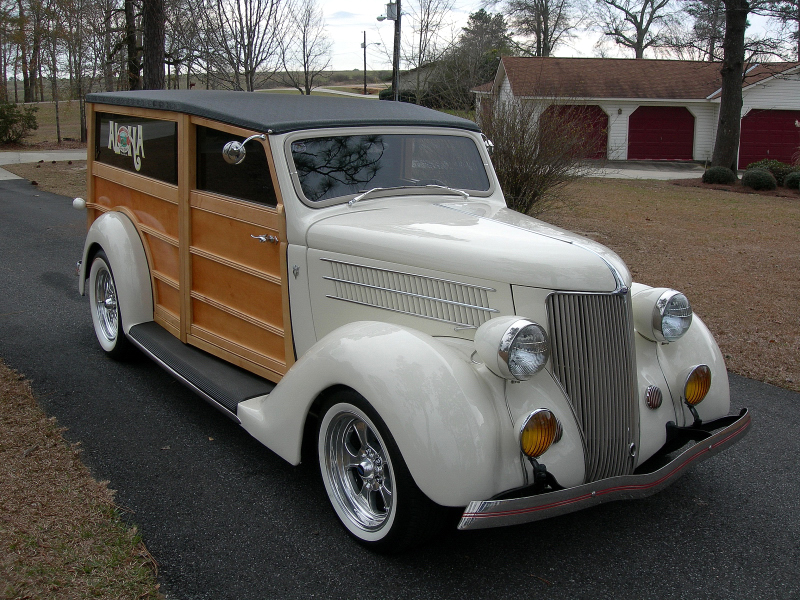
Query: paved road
{"x": 225, "y": 518}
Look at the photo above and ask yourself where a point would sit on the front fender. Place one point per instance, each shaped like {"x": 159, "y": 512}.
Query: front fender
{"x": 117, "y": 236}
{"x": 439, "y": 411}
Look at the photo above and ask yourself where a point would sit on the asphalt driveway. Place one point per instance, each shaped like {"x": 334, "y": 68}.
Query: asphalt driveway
{"x": 226, "y": 518}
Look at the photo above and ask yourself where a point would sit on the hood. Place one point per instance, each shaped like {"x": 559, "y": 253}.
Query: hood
{"x": 474, "y": 239}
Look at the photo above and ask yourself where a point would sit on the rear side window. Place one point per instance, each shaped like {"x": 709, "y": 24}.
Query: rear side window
{"x": 145, "y": 146}
{"x": 249, "y": 180}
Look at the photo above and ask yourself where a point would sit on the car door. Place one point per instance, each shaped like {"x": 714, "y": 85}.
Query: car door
{"x": 234, "y": 257}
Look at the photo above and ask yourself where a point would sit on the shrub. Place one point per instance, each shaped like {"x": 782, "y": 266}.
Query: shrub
{"x": 405, "y": 95}
{"x": 778, "y": 169}
{"x": 792, "y": 180}
{"x": 16, "y": 122}
{"x": 759, "y": 179}
{"x": 534, "y": 157}
{"x": 719, "y": 175}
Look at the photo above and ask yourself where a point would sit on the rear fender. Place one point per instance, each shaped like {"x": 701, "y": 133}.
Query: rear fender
{"x": 115, "y": 234}
{"x": 439, "y": 411}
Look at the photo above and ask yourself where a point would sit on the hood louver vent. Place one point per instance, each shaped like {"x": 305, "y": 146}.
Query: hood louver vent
{"x": 462, "y": 304}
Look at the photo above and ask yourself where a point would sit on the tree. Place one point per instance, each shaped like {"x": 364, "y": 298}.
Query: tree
{"x": 634, "y": 24}
{"x": 306, "y": 50}
{"x": 471, "y": 61}
{"x": 547, "y": 22}
{"x": 787, "y": 14}
{"x": 726, "y": 144}
{"x": 244, "y": 40}
{"x": 428, "y": 19}
{"x": 153, "y": 29}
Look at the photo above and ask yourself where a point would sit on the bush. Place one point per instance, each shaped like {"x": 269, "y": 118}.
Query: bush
{"x": 759, "y": 179}
{"x": 792, "y": 180}
{"x": 405, "y": 95}
{"x": 719, "y": 175}
{"x": 16, "y": 122}
{"x": 778, "y": 169}
{"x": 534, "y": 157}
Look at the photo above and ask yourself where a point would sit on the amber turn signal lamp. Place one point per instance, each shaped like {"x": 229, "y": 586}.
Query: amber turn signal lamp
{"x": 538, "y": 433}
{"x": 697, "y": 385}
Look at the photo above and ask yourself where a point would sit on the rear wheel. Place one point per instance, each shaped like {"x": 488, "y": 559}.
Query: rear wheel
{"x": 367, "y": 480}
{"x": 106, "y": 315}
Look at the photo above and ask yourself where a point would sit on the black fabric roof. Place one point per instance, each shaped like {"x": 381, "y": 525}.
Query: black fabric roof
{"x": 283, "y": 112}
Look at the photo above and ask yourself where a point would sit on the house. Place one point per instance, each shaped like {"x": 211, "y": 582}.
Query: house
{"x": 660, "y": 109}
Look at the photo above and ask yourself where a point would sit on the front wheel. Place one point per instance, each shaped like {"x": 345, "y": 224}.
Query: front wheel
{"x": 367, "y": 480}
{"x": 106, "y": 315}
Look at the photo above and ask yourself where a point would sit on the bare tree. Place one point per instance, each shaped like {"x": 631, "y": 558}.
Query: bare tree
{"x": 306, "y": 50}
{"x": 787, "y": 15}
{"x": 244, "y": 40}
{"x": 634, "y": 24}
{"x": 429, "y": 18}
{"x": 547, "y": 23}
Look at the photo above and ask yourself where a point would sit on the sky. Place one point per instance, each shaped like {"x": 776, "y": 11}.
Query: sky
{"x": 347, "y": 20}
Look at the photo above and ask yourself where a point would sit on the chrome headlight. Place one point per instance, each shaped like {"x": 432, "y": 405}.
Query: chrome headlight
{"x": 662, "y": 315}
{"x": 512, "y": 348}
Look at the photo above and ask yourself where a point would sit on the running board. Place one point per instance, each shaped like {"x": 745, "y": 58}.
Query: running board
{"x": 217, "y": 381}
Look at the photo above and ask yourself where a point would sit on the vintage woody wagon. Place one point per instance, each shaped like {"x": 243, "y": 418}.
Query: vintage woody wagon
{"x": 345, "y": 274}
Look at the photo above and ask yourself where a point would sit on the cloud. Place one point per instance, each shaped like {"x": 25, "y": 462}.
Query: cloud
{"x": 342, "y": 14}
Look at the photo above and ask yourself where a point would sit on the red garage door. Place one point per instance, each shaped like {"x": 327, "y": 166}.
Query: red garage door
{"x": 589, "y": 121}
{"x": 769, "y": 134}
{"x": 660, "y": 133}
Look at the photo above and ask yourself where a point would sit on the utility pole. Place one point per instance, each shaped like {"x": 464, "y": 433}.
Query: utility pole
{"x": 364, "y": 46}
{"x": 396, "y": 61}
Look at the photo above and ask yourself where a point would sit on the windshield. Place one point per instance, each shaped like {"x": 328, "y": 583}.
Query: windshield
{"x": 330, "y": 167}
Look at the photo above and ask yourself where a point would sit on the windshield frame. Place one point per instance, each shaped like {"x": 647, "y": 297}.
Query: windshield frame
{"x": 401, "y": 191}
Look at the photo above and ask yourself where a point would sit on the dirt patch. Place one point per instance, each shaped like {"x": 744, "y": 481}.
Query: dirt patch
{"x": 60, "y": 531}
{"x": 738, "y": 188}
{"x": 736, "y": 257}
{"x": 64, "y": 177}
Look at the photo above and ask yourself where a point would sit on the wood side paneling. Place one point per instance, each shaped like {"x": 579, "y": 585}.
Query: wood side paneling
{"x": 149, "y": 210}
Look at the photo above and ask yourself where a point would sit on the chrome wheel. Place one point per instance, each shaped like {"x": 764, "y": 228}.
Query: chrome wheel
{"x": 105, "y": 308}
{"x": 105, "y": 303}
{"x": 357, "y": 470}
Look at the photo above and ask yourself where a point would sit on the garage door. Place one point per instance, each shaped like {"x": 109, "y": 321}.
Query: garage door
{"x": 769, "y": 134}
{"x": 660, "y": 133}
{"x": 591, "y": 122}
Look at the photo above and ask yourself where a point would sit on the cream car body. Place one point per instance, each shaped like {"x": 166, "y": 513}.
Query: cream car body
{"x": 386, "y": 293}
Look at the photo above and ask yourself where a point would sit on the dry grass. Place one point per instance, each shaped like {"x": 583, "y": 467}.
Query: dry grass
{"x": 64, "y": 177}
{"x": 736, "y": 256}
{"x": 60, "y": 535}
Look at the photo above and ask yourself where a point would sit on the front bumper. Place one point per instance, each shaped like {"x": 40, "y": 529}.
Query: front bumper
{"x": 482, "y": 514}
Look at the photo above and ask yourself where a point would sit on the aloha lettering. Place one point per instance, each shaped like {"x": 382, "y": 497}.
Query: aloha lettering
{"x": 127, "y": 140}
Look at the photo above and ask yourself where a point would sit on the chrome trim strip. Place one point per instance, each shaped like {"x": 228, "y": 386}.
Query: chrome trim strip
{"x": 461, "y": 325}
{"x": 469, "y": 285}
{"x": 184, "y": 381}
{"x": 421, "y": 296}
{"x": 483, "y": 514}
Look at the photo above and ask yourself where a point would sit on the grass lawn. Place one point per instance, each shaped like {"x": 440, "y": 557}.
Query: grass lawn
{"x": 736, "y": 257}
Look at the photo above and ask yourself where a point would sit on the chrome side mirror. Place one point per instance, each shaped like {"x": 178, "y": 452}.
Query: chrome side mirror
{"x": 488, "y": 143}
{"x": 234, "y": 152}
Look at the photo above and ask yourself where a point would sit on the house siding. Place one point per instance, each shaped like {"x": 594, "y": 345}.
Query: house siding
{"x": 780, "y": 93}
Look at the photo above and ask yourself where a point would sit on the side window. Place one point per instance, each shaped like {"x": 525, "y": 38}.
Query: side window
{"x": 145, "y": 146}
{"x": 249, "y": 180}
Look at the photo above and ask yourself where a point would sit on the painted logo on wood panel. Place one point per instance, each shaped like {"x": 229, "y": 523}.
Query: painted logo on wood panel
{"x": 127, "y": 140}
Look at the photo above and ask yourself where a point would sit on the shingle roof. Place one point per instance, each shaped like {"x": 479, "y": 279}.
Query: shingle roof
{"x": 622, "y": 78}
{"x": 284, "y": 112}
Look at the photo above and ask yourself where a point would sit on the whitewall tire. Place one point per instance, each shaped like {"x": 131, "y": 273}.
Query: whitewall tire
{"x": 104, "y": 303}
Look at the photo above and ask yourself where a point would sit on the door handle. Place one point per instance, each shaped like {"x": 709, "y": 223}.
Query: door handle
{"x": 272, "y": 239}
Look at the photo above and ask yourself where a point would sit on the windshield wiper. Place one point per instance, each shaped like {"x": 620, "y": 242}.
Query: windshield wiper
{"x": 408, "y": 187}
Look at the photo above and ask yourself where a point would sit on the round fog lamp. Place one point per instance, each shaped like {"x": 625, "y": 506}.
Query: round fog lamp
{"x": 538, "y": 433}
{"x": 697, "y": 384}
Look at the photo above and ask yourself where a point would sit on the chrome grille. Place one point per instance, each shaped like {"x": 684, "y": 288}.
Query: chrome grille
{"x": 592, "y": 355}
{"x": 462, "y": 304}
